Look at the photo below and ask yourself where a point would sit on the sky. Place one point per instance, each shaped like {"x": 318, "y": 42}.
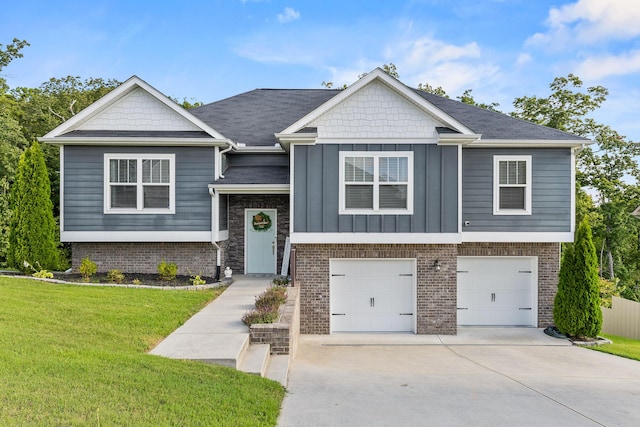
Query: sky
{"x": 209, "y": 50}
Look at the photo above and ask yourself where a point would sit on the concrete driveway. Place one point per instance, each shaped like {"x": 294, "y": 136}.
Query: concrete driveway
{"x": 482, "y": 377}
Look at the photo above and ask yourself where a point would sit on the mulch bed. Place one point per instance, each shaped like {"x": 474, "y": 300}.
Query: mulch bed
{"x": 145, "y": 279}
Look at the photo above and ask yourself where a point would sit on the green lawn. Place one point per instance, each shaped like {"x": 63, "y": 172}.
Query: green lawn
{"x": 624, "y": 347}
{"x": 75, "y": 355}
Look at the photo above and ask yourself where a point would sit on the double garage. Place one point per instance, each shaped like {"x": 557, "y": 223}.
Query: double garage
{"x": 379, "y": 295}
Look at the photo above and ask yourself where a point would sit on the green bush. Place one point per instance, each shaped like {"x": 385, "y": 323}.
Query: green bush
{"x": 281, "y": 281}
{"x": 167, "y": 270}
{"x": 576, "y": 309}
{"x": 87, "y": 268}
{"x": 115, "y": 276}
{"x": 259, "y": 316}
{"x": 197, "y": 280}
{"x": 272, "y": 298}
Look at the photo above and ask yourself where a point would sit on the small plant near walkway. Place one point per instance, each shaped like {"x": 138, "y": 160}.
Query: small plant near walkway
{"x": 197, "y": 280}
{"x": 88, "y": 269}
{"x": 267, "y": 304}
{"x": 115, "y": 276}
{"x": 167, "y": 270}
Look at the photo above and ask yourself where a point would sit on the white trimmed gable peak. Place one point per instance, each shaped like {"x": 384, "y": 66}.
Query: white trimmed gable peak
{"x": 378, "y": 106}
{"x": 134, "y": 106}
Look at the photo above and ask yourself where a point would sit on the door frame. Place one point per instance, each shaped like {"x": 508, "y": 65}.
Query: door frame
{"x": 414, "y": 293}
{"x": 535, "y": 285}
{"x": 246, "y": 235}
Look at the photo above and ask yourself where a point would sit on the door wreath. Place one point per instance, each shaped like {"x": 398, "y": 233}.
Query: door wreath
{"x": 261, "y": 222}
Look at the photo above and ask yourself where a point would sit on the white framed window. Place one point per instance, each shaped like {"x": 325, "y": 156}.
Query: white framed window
{"x": 139, "y": 183}
{"x": 379, "y": 182}
{"x": 512, "y": 185}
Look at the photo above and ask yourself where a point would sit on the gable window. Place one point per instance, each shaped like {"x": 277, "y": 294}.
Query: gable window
{"x": 139, "y": 183}
{"x": 512, "y": 185}
{"x": 376, "y": 182}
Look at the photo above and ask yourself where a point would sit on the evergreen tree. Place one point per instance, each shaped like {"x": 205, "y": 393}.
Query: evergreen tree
{"x": 576, "y": 310}
{"x": 33, "y": 229}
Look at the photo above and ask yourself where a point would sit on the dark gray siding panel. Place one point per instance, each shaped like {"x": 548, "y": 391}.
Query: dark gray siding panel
{"x": 316, "y": 191}
{"x": 550, "y": 198}
{"x": 84, "y": 191}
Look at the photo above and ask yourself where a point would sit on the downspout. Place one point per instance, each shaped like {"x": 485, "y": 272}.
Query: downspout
{"x": 226, "y": 150}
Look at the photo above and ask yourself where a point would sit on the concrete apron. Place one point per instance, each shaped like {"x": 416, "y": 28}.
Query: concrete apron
{"x": 481, "y": 377}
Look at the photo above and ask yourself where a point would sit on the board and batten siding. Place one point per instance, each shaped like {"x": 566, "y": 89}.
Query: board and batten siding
{"x": 84, "y": 191}
{"x": 550, "y": 198}
{"x": 316, "y": 185}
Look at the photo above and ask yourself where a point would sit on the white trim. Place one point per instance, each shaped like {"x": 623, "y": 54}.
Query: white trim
{"x": 529, "y": 143}
{"x": 223, "y": 235}
{"x": 61, "y": 203}
{"x": 291, "y": 190}
{"x": 459, "y": 188}
{"x": 140, "y": 210}
{"x": 496, "y": 185}
{"x": 251, "y": 188}
{"x": 134, "y": 140}
{"x": 120, "y": 92}
{"x": 516, "y": 237}
{"x": 378, "y": 238}
{"x": 135, "y": 236}
{"x": 394, "y": 84}
{"x": 375, "y": 210}
{"x": 215, "y": 213}
{"x": 573, "y": 191}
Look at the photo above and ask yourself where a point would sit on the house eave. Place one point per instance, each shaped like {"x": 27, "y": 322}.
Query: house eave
{"x": 250, "y": 188}
{"x": 529, "y": 143}
{"x": 138, "y": 141}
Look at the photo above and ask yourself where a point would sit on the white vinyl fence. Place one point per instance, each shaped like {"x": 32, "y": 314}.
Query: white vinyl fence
{"x": 622, "y": 319}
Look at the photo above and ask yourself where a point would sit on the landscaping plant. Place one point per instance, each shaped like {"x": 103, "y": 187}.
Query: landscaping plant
{"x": 115, "y": 276}
{"x": 267, "y": 306}
{"x": 167, "y": 270}
{"x": 87, "y": 268}
{"x": 576, "y": 309}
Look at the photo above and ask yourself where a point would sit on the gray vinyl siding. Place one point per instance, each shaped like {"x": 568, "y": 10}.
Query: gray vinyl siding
{"x": 223, "y": 217}
{"x": 316, "y": 188}
{"x": 84, "y": 191}
{"x": 550, "y": 197}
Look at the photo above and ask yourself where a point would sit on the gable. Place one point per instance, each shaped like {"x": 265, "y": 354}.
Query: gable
{"x": 138, "y": 110}
{"x": 376, "y": 111}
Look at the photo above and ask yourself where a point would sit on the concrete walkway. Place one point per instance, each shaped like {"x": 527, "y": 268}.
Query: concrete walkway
{"x": 216, "y": 334}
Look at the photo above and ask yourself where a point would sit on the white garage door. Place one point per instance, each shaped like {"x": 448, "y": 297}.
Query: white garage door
{"x": 497, "y": 291}
{"x": 372, "y": 295}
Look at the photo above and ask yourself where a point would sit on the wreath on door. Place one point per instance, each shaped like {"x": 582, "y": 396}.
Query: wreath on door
{"x": 261, "y": 222}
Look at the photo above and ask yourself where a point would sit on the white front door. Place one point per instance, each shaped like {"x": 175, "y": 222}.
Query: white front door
{"x": 497, "y": 291}
{"x": 372, "y": 295}
{"x": 261, "y": 245}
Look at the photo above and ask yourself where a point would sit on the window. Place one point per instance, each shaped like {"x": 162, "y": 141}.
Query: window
{"x": 512, "y": 185}
{"x": 139, "y": 183}
{"x": 376, "y": 182}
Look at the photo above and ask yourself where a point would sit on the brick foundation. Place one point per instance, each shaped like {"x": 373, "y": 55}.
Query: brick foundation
{"x": 191, "y": 258}
{"x": 436, "y": 290}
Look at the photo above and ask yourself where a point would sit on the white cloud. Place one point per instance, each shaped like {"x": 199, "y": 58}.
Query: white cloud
{"x": 288, "y": 14}
{"x": 523, "y": 59}
{"x": 596, "y": 68}
{"x": 590, "y": 21}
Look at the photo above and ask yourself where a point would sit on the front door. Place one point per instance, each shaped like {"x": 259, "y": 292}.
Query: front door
{"x": 261, "y": 245}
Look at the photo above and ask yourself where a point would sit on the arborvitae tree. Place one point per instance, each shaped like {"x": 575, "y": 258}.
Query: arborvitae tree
{"x": 32, "y": 227}
{"x": 576, "y": 308}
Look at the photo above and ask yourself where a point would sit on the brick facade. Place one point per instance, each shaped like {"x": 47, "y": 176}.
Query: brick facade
{"x": 237, "y": 205}
{"x": 191, "y": 258}
{"x": 436, "y": 290}
{"x": 436, "y": 297}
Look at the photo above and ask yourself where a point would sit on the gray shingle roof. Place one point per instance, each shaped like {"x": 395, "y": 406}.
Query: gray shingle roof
{"x": 255, "y": 175}
{"x": 135, "y": 133}
{"x": 254, "y": 117}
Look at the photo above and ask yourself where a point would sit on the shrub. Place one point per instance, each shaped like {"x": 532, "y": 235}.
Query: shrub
{"x": 136, "y": 281}
{"x": 115, "y": 276}
{"x": 87, "y": 268}
{"x": 197, "y": 280}
{"x": 281, "y": 281}
{"x": 259, "y": 316}
{"x": 40, "y": 272}
{"x": 167, "y": 270}
{"x": 272, "y": 298}
{"x": 576, "y": 309}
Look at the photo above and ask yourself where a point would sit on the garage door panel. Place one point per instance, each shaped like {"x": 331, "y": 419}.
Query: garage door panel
{"x": 372, "y": 295}
{"x": 496, "y": 291}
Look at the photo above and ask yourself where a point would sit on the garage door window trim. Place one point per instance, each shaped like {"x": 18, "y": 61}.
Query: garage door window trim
{"x": 376, "y": 182}
{"x": 512, "y": 185}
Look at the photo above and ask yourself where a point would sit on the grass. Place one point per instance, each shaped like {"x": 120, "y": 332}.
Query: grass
{"x": 621, "y": 346}
{"x": 75, "y": 355}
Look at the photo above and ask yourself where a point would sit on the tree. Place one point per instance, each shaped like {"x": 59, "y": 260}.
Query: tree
{"x": 467, "y": 98}
{"x": 576, "y": 309}
{"x": 11, "y": 52}
{"x": 426, "y": 87}
{"x": 32, "y": 228}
